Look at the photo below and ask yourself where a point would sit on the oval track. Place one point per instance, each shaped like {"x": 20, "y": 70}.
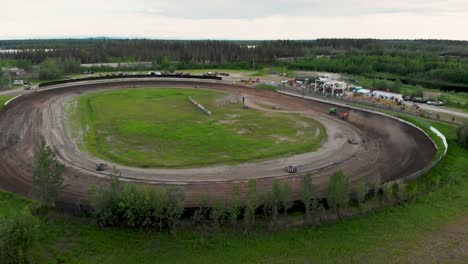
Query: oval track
{"x": 391, "y": 149}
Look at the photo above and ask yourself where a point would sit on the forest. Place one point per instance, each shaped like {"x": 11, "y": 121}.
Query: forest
{"x": 439, "y": 64}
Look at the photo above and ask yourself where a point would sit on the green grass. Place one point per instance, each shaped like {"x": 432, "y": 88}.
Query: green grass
{"x": 386, "y": 236}
{"x": 3, "y": 100}
{"x": 161, "y": 128}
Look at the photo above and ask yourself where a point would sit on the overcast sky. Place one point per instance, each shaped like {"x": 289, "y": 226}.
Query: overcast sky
{"x": 239, "y": 19}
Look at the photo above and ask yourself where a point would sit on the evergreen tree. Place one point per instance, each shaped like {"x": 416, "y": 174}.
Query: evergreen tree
{"x": 47, "y": 179}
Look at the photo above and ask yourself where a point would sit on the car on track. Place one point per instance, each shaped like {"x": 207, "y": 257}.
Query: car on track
{"x": 101, "y": 166}
{"x": 291, "y": 169}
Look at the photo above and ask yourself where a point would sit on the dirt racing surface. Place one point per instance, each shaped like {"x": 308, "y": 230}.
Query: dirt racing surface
{"x": 388, "y": 149}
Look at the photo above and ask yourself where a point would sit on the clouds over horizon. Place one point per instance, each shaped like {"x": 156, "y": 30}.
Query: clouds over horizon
{"x": 251, "y": 9}
{"x": 294, "y": 19}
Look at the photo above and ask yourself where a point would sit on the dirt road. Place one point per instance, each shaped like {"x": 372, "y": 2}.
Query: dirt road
{"x": 440, "y": 109}
{"x": 390, "y": 149}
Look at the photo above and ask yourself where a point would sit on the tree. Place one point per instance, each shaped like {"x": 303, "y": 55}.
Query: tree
{"x": 253, "y": 202}
{"x": 165, "y": 63}
{"x": 18, "y": 233}
{"x": 218, "y": 213}
{"x": 160, "y": 205}
{"x": 128, "y": 205}
{"x": 377, "y": 186}
{"x": 387, "y": 191}
{"x": 462, "y": 135}
{"x": 70, "y": 65}
{"x": 201, "y": 213}
{"x": 106, "y": 201}
{"x": 47, "y": 179}
{"x": 175, "y": 209}
{"x": 277, "y": 194}
{"x": 308, "y": 197}
{"x": 286, "y": 198}
{"x": 6, "y": 80}
{"x": 399, "y": 192}
{"x": 235, "y": 205}
{"x": 50, "y": 69}
{"x": 338, "y": 192}
{"x": 361, "y": 192}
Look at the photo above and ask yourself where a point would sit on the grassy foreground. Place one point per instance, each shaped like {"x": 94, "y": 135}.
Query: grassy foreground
{"x": 392, "y": 235}
{"x": 162, "y": 128}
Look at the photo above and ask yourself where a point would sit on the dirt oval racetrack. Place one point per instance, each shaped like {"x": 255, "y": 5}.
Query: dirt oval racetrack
{"x": 389, "y": 149}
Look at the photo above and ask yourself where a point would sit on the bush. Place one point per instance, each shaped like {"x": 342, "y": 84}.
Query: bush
{"x": 18, "y": 233}
{"x": 134, "y": 206}
{"x": 462, "y": 135}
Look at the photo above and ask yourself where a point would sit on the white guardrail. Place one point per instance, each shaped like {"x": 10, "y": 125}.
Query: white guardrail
{"x": 9, "y": 101}
{"x": 444, "y": 139}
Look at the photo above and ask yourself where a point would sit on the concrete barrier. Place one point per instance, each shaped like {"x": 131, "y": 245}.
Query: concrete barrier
{"x": 208, "y": 112}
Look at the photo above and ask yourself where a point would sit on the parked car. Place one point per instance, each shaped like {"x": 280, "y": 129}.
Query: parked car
{"x": 438, "y": 103}
{"x": 422, "y": 100}
{"x": 430, "y": 103}
{"x": 407, "y": 98}
{"x": 414, "y": 99}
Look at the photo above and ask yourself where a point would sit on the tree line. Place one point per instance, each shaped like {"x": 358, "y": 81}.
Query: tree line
{"x": 431, "y": 63}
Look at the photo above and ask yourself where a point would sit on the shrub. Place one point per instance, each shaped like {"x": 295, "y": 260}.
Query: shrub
{"x": 18, "y": 233}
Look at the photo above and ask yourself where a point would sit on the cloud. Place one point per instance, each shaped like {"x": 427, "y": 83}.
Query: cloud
{"x": 254, "y": 9}
{"x": 243, "y": 19}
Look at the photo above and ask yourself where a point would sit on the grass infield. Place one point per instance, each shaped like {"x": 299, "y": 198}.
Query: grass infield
{"x": 162, "y": 128}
